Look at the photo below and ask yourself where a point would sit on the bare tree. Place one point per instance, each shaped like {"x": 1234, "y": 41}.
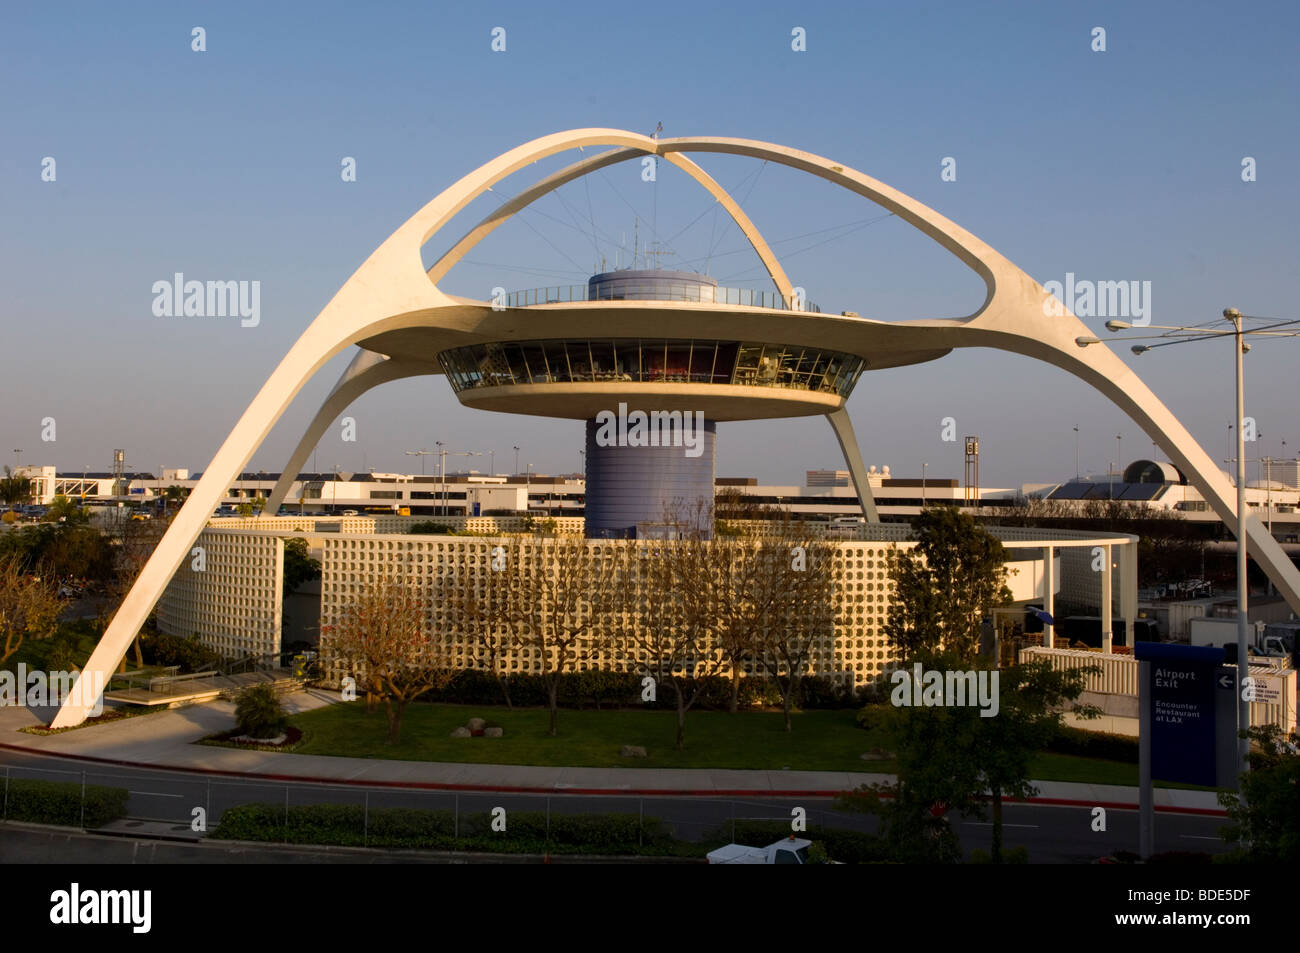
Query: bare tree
{"x": 384, "y": 634}
{"x": 483, "y": 605}
{"x": 664, "y": 624}
{"x": 560, "y": 594}
{"x": 800, "y": 571}
{"x": 29, "y": 605}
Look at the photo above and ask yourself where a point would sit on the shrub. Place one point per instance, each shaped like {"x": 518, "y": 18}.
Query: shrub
{"x": 601, "y": 689}
{"x": 161, "y": 649}
{"x": 258, "y": 713}
{"x": 59, "y": 802}
{"x": 871, "y": 717}
{"x": 1094, "y": 744}
{"x": 819, "y": 691}
{"x": 430, "y": 529}
{"x": 526, "y": 831}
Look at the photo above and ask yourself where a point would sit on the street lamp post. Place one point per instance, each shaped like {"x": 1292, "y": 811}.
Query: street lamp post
{"x": 1243, "y": 664}
{"x": 421, "y": 454}
{"x": 923, "y": 466}
{"x": 442, "y": 476}
{"x": 455, "y": 453}
{"x": 516, "y": 473}
{"x": 1076, "y": 452}
{"x": 1238, "y": 332}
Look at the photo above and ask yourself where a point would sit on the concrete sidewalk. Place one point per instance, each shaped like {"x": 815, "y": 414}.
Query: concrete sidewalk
{"x": 165, "y": 741}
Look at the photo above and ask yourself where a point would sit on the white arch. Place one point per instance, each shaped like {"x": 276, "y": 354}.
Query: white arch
{"x": 583, "y": 167}
{"x": 390, "y": 291}
{"x": 368, "y": 369}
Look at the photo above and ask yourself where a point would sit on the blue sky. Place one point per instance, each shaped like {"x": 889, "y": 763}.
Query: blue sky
{"x": 1122, "y": 165}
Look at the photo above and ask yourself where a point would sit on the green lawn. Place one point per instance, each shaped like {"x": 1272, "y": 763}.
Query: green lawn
{"x": 820, "y": 741}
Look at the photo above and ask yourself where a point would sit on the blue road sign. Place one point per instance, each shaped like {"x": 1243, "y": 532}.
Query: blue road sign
{"x": 1181, "y": 684}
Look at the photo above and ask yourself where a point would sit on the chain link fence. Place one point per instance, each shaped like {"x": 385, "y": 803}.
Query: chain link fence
{"x": 193, "y": 807}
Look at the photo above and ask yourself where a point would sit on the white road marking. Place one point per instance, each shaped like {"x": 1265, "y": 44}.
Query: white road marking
{"x": 990, "y": 824}
{"x": 154, "y": 794}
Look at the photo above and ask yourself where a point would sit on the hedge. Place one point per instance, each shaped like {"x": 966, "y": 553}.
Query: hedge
{"x": 1094, "y": 744}
{"x": 526, "y": 831}
{"x": 602, "y": 689}
{"x": 59, "y": 802}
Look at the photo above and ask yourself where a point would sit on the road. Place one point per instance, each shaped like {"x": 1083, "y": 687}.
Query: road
{"x": 1051, "y": 833}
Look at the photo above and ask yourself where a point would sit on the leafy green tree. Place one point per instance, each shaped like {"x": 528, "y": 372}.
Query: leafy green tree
{"x": 66, "y": 550}
{"x": 299, "y": 568}
{"x": 64, "y": 510}
{"x": 77, "y": 551}
{"x": 430, "y": 528}
{"x": 62, "y": 656}
{"x": 1266, "y": 828}
{"x": 958, "y": 760}
{"x": 175, "y": 494}
{"x": 29, "y": 606}
{"x": 15, "y": 489}
{"x": 945, "y": 586}
{"x": 1032, "y": 700}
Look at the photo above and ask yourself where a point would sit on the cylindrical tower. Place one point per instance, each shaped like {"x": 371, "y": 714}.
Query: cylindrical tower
{"x": 650, "y": 469}
{"x": 637, "y": 285}
{"x": 649, "y": 473}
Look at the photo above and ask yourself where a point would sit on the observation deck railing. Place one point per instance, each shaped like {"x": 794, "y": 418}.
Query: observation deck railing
{"x": 668, "y": 291}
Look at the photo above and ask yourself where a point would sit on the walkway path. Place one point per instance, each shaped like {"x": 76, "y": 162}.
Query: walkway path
{"x": 165, "y": 740}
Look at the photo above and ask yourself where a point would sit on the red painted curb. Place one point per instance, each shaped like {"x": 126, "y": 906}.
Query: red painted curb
{"x": 602, "y": 792}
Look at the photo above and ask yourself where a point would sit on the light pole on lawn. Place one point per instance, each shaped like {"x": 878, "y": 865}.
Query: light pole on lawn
{"x": 1237, "y": 330}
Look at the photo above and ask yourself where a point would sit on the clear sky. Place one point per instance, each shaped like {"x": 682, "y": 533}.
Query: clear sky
{"x": 225, "y": 165}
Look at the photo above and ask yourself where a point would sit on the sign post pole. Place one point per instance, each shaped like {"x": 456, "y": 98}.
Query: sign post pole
{"x": 1183, "y": 733}
{"x": 1146, "y": 807}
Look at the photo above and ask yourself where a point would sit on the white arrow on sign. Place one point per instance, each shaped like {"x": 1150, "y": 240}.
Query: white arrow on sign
{"x": 1227, "y": 681}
